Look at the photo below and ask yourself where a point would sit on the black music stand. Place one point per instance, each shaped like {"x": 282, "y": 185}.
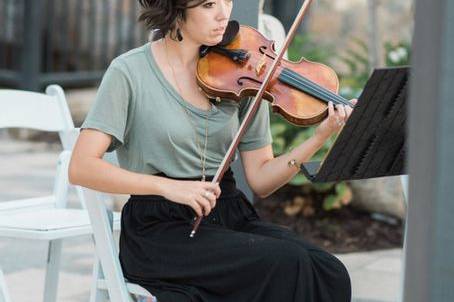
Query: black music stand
{"x": 373, "y": 142}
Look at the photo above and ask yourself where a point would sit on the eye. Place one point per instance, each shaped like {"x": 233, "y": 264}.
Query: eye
{"x": 209, "y": 4}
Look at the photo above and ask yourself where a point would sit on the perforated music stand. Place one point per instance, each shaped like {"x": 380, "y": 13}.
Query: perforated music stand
{"x": 373, "y": 142}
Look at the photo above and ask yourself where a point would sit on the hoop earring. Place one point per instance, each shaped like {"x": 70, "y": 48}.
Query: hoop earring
{"x": 179, "y": 35}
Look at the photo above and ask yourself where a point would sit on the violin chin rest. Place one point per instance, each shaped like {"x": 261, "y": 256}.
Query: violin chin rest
{"x": 230, "y": 33}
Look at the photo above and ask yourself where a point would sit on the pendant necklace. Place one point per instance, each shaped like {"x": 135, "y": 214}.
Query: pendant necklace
{"x": 201, "y": 154}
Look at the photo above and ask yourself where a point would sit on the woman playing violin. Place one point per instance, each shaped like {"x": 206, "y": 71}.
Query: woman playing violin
{"x": 170, "y": 139}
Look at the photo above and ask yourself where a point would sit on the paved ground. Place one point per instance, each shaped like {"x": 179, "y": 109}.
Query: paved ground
{"x": 28, "y": 169}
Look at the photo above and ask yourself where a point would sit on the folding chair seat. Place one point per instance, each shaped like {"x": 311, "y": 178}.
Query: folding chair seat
{"x": 44, "y": 218}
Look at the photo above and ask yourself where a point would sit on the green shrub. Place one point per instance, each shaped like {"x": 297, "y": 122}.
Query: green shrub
{"x": 287, "y": 136}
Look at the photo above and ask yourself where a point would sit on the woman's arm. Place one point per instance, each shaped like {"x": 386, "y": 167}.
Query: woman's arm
{"x": 266, "y": 173}
{"x": 88, "y": 169}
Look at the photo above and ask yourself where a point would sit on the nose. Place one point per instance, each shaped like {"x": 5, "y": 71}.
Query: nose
{"x": 225, "y": 7}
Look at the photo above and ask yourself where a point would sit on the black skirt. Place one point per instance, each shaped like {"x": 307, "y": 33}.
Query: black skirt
{"x": 233, "y": 257}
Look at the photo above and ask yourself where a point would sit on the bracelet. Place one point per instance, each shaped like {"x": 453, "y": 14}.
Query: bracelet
{"x": 293, "y": 163}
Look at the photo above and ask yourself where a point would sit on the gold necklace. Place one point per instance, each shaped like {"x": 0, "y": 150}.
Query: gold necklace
{"x": 202, "y": 155}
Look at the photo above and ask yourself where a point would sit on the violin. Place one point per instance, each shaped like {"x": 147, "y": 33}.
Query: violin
{"x": 299, "y": 91}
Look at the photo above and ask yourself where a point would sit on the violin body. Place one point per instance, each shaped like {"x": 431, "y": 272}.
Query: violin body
{"x": 299, "y": 91}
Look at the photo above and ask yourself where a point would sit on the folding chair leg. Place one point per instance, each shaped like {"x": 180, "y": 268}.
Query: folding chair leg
{"x": 96, "y": 294}
{"x": 4, "y": 295}
{"x": 52, "y": 270}
{"x": 404, "y": 181}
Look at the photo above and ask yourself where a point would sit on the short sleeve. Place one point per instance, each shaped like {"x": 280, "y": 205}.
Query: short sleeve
{"x": 258, "y": 134}
{"x": 109, "y": 112}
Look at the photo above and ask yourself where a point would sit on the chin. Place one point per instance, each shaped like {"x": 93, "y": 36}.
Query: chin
{"x": 214, "y": 41}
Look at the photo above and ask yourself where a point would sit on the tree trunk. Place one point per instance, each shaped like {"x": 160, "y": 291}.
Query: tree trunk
{"x": 375, "y": 54}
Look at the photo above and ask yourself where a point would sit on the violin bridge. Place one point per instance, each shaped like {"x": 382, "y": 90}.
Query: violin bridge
{"x": 260, "y": 65}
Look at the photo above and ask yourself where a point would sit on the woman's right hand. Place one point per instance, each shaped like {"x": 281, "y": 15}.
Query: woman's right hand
{"x": 193, "y": 194}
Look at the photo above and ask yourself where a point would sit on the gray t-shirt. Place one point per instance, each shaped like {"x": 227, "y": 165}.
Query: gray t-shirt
{"x": 143, "y": 113}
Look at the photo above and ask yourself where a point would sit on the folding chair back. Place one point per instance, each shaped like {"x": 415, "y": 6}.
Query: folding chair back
{"x": 33, "y": 205}
{"x": 32, "y": 110}
{"x": 45, "y": 112}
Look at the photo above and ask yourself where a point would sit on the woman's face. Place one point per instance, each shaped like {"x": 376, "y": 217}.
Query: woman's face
{"x": 206, "y": 23}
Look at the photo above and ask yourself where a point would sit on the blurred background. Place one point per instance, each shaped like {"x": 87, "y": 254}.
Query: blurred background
{"x": 71, "y": 43}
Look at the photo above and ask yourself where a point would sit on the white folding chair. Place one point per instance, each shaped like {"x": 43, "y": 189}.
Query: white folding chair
{"x": 110, "y": 278}
{"x": 4, "y": 295}
{"x": 272, "y": 28}
{"x": 44, "y": 218}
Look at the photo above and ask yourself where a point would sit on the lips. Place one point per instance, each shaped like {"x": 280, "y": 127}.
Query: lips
{"x": 220, "y": 29}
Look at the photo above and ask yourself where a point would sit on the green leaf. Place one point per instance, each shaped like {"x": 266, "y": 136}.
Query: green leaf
{"x": 299, "y": 180}
{"x": 323, "y": 187}
{"x": 278, "y": 145}
{"x": 277, "y": 129}
{"x": 302, "y": 136}
{"x": 341, "y": 188}
{"x": 352, "y": 65}
{"x": 330, "y": 201}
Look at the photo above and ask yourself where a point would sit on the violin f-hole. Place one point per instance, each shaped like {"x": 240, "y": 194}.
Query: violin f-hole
{"x": 260, "y": 65}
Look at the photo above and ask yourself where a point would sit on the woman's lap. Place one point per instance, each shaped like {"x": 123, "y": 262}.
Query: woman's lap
{"x": 233, "y": 256}
{"x": 326, "y": 266}
{"x": 213, "y": 254}
{"x": 223, "y": 261}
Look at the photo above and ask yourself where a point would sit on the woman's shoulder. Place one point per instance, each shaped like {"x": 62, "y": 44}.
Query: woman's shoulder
{"x": 131, "y": 61}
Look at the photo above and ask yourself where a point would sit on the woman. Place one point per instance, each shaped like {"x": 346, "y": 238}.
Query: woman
{"x": 169, "y": 136}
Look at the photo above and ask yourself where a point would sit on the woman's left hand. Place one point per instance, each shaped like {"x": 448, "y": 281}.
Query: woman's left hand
{"x": 335, "y": 121}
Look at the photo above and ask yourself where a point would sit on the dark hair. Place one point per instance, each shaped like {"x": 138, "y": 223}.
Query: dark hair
{"x": 161, "y": 16}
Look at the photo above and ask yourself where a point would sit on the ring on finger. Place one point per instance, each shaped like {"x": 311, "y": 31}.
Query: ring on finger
{"x": 206, "y": 193}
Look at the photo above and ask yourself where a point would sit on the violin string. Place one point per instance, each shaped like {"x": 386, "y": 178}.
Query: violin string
{"x": 298, "y": 81}
{"x": 320, "y": 92}
{"x": 335, "y": 97}
{"x": 323, "y": 92}
{"x": 310, "y": 90}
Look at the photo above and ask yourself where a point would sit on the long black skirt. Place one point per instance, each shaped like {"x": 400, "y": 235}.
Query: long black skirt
{"x": 233, "y": 257}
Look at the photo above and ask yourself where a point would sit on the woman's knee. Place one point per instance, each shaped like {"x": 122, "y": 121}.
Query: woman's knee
{"x": 343, "y": 281}
{"x": 343, "y": 275}
{"x": 339, "y": 278}
{"x": 287, "y": 253}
